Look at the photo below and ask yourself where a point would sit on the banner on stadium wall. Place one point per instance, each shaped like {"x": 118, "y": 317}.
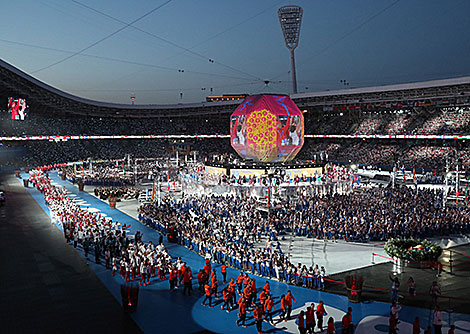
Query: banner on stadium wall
{"x": 292, "y": 173}
{"x": 246, "y": 172}
{"x": 216, "y": 170}
{"x": 371, "y": 136}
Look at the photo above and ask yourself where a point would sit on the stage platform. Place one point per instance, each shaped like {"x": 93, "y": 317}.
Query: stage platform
{"x": 251, "y": 168}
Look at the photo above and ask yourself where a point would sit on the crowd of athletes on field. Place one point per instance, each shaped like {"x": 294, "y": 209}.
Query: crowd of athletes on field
{"x": 232, "y": 225}
{"x": 145, "y": 262}
{"x": 228, "y": 230}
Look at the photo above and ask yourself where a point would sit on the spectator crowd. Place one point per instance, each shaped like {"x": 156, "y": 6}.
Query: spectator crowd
{"x": 430, "y": 155}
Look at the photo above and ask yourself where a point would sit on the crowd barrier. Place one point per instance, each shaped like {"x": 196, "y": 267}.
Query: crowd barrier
{"x": 453, "y": 251}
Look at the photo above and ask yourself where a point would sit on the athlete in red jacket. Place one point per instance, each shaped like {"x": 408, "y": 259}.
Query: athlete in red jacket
{"x": 258, "y": 315}
{"x": 207, "y": 290}
{"x": 223, "y": 270}
{"x": 188, "y": 281}
{"x": 173, "y": 275}
{"x": 268, "y": 309}
{"x": 310, "y": 318}
{"x": 288, "y": 302}
{"x": 320, "y": 314}
{"x": 239, "y": 282}
{"x": 241, "y": 311}
{"x": 301, "y": 324}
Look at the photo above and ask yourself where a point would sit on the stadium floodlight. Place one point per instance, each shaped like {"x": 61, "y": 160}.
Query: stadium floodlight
{"x": 290, "y": 18}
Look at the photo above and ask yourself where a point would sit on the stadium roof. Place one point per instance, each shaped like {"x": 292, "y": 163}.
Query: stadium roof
{"x": 409, "y": 92}
{"x": 45, "y": 98}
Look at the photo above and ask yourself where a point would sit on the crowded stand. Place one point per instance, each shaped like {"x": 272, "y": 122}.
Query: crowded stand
{"x": 332, "y": 124}
{"x": 367, "y": 126}
{"x": 397, "y": 124}
{"x": 406, "y": 122}
{"x": 430, "y": 156}
{"x": 55, "y": 126}
{"x": 39, "y": 153}
{"x": 318, "y": 151}
{"x": 443, "y": 120}
{"x": 367, "y": 154}
{"x": 453, "y": 121}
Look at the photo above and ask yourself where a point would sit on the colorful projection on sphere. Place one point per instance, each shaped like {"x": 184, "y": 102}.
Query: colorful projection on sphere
{"x": 267, "y": 128}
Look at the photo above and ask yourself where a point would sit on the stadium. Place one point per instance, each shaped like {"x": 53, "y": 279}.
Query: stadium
{"x": 280, "y": 209}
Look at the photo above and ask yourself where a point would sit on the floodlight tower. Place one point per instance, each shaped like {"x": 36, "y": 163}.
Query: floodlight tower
{"x": 290, "y": 18}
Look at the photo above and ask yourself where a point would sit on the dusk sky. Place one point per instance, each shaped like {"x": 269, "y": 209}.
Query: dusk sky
{"x": 90, "y": 49}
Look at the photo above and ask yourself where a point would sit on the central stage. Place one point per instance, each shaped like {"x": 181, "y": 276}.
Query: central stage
{"x": 259, "y": 169}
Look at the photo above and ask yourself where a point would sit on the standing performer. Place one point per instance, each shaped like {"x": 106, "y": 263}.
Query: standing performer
{"x": 239, "y": 282}
{"x": 288, "y": 299}
{"x": 268, "y": 309}
{"x": 107, "y": 257}
{"x": 173, "y": 278}
{"x": 283, "y": 308}
{"x": 187, "y": 281}
{"x": 223, "y": 270}
{"x": 258, "y": 315}
{"x": 114, "y": 266}
{"x": 208, "y": 292}
{"x": 320, "y": 314}
{"x": 241, "y": 311}
{"x": 310, "y": 319}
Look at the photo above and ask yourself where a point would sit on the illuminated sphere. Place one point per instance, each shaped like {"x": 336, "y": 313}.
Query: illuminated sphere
{"x": 267, "y": 128}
